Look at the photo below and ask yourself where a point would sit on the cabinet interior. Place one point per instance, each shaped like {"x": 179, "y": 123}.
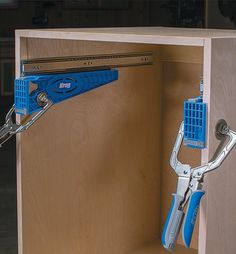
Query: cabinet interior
{"x": 95, "y": 169}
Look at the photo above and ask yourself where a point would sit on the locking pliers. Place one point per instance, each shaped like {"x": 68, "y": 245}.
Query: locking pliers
{"x": 189, "y": 187}
{"x": 10, "y": 128}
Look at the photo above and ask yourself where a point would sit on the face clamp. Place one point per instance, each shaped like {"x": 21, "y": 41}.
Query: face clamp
{"x": 189, "y": 187}
{"x": 9, "y": 128}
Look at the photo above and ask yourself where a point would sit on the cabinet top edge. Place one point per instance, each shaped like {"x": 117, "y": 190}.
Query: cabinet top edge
{"x": 150, "y": 35}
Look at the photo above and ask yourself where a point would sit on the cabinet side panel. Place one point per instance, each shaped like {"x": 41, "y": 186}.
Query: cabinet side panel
{"x": 90, "y": 167}
{"x": 20, "y": 52}
{"x": 220, "y": 216}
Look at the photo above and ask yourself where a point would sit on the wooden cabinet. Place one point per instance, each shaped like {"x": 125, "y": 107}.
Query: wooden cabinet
{"x": 93, "y": 173}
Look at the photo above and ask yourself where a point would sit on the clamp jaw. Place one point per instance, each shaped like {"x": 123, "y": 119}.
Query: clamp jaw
{"x": 189, "y": 187}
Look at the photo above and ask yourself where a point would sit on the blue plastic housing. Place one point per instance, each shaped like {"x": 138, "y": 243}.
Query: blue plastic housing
{"x": 195, "y": 123}
{"x": 58, "y": 87}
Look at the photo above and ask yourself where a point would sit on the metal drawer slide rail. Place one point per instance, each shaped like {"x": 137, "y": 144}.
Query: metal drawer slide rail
{"x": 71, "y": 64}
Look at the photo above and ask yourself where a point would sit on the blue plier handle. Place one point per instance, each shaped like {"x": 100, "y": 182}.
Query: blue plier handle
{"x": 189, "y": 188}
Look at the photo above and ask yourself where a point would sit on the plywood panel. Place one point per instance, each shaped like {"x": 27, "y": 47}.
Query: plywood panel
{"x": 219, "y": 211}
{"x": 180, "y": 81}
{"x": 21, "y": 52}
{"x": 156, "y": 248}
{"x": 52, "y": 48}
{"x": 138, "y": 96}
{"x": 182, "y": 54}
{"x": 149, "y": 35}
{"x": 90, "y": 167}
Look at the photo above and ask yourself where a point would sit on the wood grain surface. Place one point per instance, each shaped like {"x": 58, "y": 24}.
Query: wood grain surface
{"x": 157, "y": 248}
{"x": 90, "y": 167}
{"x": 218, "y": 217}
{"x": 150, "y": 35}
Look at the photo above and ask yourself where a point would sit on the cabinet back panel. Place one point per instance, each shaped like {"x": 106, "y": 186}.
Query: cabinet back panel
{"x": 94, "y": 170}
{"x": 91, "y": 165}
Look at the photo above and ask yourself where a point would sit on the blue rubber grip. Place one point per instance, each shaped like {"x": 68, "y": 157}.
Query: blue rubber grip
{"x": 173, "y": 223}
{"x": 191, "y": 216}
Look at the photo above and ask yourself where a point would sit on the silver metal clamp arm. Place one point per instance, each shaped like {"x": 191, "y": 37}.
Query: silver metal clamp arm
{"x": 35, "y": 117}
{"x": 179, "y": 168}
{"x": 221, "y": 156}
{"x": 9, "y": 128}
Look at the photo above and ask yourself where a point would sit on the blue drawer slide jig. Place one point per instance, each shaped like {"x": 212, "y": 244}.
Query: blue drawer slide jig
{"x": 195, "y": 114}
{"x": 57, "y": 87}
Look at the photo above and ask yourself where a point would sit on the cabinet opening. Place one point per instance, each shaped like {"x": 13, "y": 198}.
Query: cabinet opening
{"x": 102, "y": 183}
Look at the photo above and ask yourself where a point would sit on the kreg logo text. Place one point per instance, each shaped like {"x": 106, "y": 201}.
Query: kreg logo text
{"x": 64, "y": 85}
